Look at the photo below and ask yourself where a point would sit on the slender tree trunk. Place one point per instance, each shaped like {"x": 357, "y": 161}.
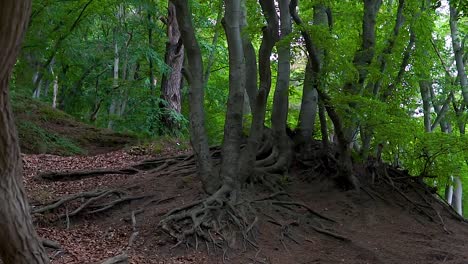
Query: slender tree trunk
{"x": 113, "y": 108}
{"x": 309, "y": 104}
{"x": 449, "y": 191}
{"x": 251, "y": 73}
{"x": 424, "y": 87}
{"x": 323, "y": 124}
{"x": 441, "y": 110}
{"x": 56, "y": 87}
{"x": 457, "y": 49}
{"x": 457, "y": 200}
{"x": 280, "y": 109}
{"x": 115, "y": 82}
{"x": 363, "y": 58}
{"x": 171, "y": 82}
{"x": 194, "y": 75}
{"x": 150, "y": 59}
{"x": 270, "y": 37}
{"x": 19, "y": 243}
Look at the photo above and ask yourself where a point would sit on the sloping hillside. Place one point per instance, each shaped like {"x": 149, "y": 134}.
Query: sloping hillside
{"x": 43, "y": 129}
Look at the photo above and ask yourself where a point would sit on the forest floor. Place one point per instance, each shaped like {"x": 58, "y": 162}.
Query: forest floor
{"x": 43, "y": 129}
{"x": 376, "y": 224}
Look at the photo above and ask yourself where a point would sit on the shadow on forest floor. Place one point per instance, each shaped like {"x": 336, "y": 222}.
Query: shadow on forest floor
{"x": 394, "y": 220}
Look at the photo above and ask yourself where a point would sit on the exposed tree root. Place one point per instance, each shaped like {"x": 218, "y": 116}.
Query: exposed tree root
{"x": 119, "y": 259}
{"x": 50, "y": 244}
{"x": 223, "y": 223}
{"x": 77, "y": 175}
{"x": 396, "y": 180}
{"x": 88, "y": 203}
{"x": 216, "y": 219}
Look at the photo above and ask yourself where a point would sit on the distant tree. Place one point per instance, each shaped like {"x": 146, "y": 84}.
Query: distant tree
{"x": 171, "y": 81}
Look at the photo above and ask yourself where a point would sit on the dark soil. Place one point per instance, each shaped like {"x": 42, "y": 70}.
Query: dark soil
{"x": 382, "y": 225}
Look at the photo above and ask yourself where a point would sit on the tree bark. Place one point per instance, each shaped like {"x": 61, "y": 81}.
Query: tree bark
{"x": 19, "y": 243}
{"x": 115, "y": 82}
{"x": 457, "y": 200}
{"x": 309, "y": 104}
{"x": 194, "y": 75}
{"x": 233, "y": 123}
{"x": 363, "y": 58}
{"x": 171, "y": 82}
{"x": 424, "y": 87}
{"x": 269, "y": 39}
{"x": 458, "y": 51}
{"x": 150, "y": 59}
{"x": 280, "y": 109}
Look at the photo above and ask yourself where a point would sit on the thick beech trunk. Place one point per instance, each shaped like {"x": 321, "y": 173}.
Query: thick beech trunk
{"x": 233, "y": 123}
{"x": 194, "y": 75}
{"x": 19, "y": 243}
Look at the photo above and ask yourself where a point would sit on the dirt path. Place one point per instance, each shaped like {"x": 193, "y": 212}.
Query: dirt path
{"x": 381, "y": 230}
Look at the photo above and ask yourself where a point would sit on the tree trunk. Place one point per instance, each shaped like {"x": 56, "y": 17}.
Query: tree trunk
{"x": 251, "y": 74}
{"x": 171, "y": 82}
{"x": 280, "y": 109}
{"x": 115, "y": 82}
{"x": 233, "y": 123}
{"x": 457, "y": 201}
{"x": 54, "y": 98}
{"x": 270, "y": 37}
{"x": 214, "y": 42}
{"x": 363, "y": 58}
{"x": 309, "y": 104}
{"x": 194, "y": 75}
{"x": 150, "y": 58}
{"x": 425, "y": 87}
{"x": 457, "y": 49}
{"x": 19, "y": 243}
{"x": 449, "y": 191}
{"x": 323, "y": 124}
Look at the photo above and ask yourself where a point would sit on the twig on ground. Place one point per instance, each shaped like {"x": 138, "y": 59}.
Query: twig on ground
{"x": 119, "y": 259}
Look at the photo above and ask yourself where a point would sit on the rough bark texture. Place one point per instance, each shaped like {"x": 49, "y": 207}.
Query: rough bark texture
{"x": 194, "y": 76}
{"x": 19, "y": 243}
{"x": 174, "y": 58}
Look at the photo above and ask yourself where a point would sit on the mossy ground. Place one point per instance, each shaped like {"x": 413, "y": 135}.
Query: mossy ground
{"x": 43, "y": 129}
